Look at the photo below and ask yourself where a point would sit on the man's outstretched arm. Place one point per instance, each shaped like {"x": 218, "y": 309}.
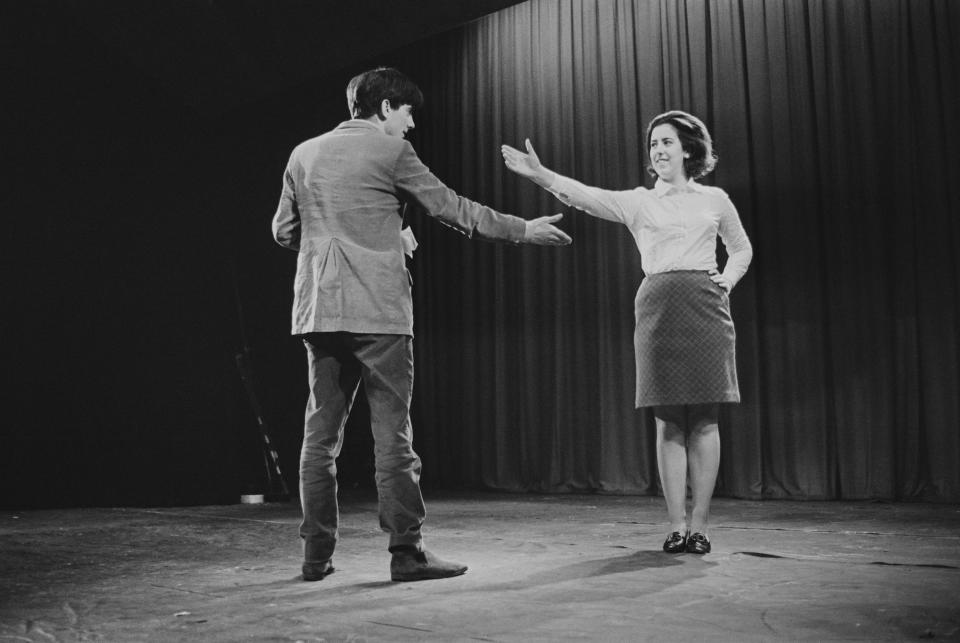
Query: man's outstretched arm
{"x": 473, "y": 219}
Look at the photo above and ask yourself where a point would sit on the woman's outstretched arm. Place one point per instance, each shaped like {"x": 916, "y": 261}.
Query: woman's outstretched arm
{"x": 604, "y": 204}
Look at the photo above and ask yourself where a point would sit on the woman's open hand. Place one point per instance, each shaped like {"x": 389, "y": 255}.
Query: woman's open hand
{"x": 526, "y": 165}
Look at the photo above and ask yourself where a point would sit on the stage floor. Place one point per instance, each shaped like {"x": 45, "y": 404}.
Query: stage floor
{"x": 542, "y": 568}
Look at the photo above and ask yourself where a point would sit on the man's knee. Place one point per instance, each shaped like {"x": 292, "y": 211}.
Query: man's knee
{"x": 397, "y": 458}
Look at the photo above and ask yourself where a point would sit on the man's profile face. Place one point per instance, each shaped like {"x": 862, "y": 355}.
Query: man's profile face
{"x": 397, "y": 121}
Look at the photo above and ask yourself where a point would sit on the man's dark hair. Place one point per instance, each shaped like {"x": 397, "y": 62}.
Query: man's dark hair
{"x": 366, "y": 92}
{"x": 694, "y": 139}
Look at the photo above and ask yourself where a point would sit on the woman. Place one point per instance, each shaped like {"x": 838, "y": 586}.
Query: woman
{"x": 684, "y": 338}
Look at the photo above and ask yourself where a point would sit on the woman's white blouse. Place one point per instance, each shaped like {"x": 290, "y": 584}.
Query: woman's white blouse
{"x": 675, "y": 228}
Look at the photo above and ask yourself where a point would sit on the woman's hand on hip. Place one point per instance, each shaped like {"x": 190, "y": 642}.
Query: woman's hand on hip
{"x": 721, "y": 281}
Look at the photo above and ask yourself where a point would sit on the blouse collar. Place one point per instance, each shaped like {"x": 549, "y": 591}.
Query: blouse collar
{"x": 662, "y": 188}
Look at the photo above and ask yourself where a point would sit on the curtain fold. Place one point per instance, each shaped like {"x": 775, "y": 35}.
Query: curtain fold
{"x": 836, "y": 127}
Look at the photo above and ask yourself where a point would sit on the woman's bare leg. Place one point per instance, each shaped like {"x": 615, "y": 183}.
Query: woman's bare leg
{"x": 703, "y": 457}
{"x": 672, "y": 462}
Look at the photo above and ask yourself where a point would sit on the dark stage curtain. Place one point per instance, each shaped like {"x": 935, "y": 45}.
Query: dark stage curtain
{"x": 836, "y": 125}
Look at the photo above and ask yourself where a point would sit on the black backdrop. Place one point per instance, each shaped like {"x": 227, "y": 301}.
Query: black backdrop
{"x": 135, "y": 221}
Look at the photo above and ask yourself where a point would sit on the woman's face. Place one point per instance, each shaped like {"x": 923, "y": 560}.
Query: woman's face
{"x": 666, "y": 153}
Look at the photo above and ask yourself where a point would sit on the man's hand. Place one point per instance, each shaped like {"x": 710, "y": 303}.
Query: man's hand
{"x": 526, "y": 165}
{"x": 542, "y": 232}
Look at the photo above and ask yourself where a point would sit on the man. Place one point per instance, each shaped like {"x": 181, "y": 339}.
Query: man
{"x": 340, "y": 208}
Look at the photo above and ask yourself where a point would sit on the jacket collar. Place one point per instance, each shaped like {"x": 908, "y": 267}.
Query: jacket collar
{"x": 358, "y": 124}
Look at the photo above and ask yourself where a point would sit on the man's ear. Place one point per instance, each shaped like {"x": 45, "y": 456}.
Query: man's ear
{"x": 385, "y": 109}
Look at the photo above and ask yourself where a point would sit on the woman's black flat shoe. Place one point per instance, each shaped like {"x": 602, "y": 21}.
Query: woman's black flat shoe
{"x": 698, "y": 544}
{"x": 676, "y": 543}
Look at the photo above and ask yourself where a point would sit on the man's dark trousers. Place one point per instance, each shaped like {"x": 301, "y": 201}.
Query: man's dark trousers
{"x": 338, "y": 361}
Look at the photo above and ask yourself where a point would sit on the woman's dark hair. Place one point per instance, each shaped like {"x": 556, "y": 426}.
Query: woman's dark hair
{"x": 366, "y": 92}
{"x": 694, "y": 139}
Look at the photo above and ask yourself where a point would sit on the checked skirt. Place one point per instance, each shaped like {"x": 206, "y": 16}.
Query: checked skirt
{"x": 684, "y": 341}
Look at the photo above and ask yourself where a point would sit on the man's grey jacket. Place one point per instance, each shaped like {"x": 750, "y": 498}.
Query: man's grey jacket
{"x": 341, "y": 209}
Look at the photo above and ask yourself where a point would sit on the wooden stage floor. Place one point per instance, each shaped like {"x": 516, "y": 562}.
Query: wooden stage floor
{"x": 542, "y": 568}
